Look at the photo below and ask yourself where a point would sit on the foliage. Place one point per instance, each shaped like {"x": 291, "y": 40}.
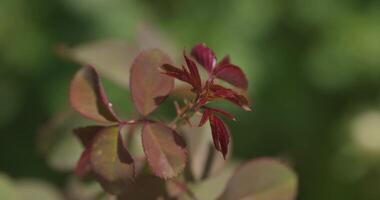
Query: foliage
{"x": 106, "y": 155}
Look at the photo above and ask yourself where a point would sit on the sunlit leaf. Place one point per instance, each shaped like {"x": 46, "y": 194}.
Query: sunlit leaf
{"x": 27, "y": 189}
{"x": 264, "y": 179}
{"x": 148, "y": 86}
{"x": 164, "y": 149}
{"x": 8, "y": 189}
{"x": 87, "y": 96}
{"x": 112, "y": 173}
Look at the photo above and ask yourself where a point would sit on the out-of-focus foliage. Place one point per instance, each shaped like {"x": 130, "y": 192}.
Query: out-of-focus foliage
{"x": 313, "y": 67}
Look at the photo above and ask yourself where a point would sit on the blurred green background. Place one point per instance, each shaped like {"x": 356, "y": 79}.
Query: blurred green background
{"x": 313, "y": 67}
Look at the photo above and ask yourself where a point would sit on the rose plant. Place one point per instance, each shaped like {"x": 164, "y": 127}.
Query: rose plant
{"x": 170, "y": 165}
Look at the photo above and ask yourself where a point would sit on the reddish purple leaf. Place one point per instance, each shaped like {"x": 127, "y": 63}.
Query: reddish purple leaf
{"x": 113, "y": 173}
{"x": 146, "y": 187}
{"x": 148, "y": 86}
{"x": 164, "y": 149}
{"x": 122, "y": 150}
{"x": 220, "y": 134}
{"x": 195, "y": 77}
{"x": 87, "y": 96}
{"x": 224, "y": 61}
{"x": 204, "y": 56}
{"x": 221, "y": 112}
{"x": 230, "y": 95}
{"x": 263, "y": 178}
{"x": 179, "y": 74}
{"x": 232, "y": 74}
{"x": 190, "y": 74}
{"x": 86, "y": 134}
{"x": 206, "y": 115}
{"x": 83, "y": 165}
{"x": 204, "y": 159}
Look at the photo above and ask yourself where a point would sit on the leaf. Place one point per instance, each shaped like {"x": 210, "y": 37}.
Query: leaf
{"x": 113, "y": 174}
{"x": 77, "y": 189}
{"x": 220, "y": 134}
{"x": 230, "y": 95}
{"x": 64, "y": 156}
{"x": 36, "y": 190}
{"x": 87, "y": 134}
{"x": 264, "y": 179}
{"x": 164, "y": 149}
{"x": 149, "y": 87}
{"x": 232, "y": 74}
{"x": 156, "y": 189}
{"x": 204, "y": 159}
{"x": 111, "y": 58}
{"x": 87, "y": 96}
{"x": 30, "y": 189}
{"x": 8, "y": 189}
{"x": 83, "y": 165}
{"x": 205, "y": 56}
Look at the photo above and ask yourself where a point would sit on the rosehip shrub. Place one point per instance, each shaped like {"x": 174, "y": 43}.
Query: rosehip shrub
{"x": 169, "y": 147}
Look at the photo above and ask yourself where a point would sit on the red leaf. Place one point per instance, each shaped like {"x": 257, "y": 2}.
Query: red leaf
{"x": 122, "y": 150}
{"x": 195, "y": 77}
{"x": 206, "y": 115}
{"x": 87, "y": 134}
{"x": 204, "y": 56}
{"x": 232, "y": 74}
{"x": 164, "y": 149}
{"x": 220, "y": 135}
{"x": 87, "y": 96}
{"x": 230, "y": 95}
{"x": 222, "y": 112}
{"x": 148, "y": 86}
{"x": 224, "y": 61}
{"x": 204, "y": 160}
{"x": 179, "y": 74}
{"x": 83, "y": 165}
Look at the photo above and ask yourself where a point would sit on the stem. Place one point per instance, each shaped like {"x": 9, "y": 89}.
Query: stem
{"x": 185, "y": 113}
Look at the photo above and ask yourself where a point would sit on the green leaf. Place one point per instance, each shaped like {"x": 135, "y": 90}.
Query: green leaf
{"x": 111, "y": 58}
{"x": 149, "y": 87}
{"x": 164, "y": 149}
{"x": 114, "y": 175}
{"x": 36, "y": 190}
{"x": 8, "y": 189}
{"x": 87, "y": 96}
{"x": 263, "y": 179}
